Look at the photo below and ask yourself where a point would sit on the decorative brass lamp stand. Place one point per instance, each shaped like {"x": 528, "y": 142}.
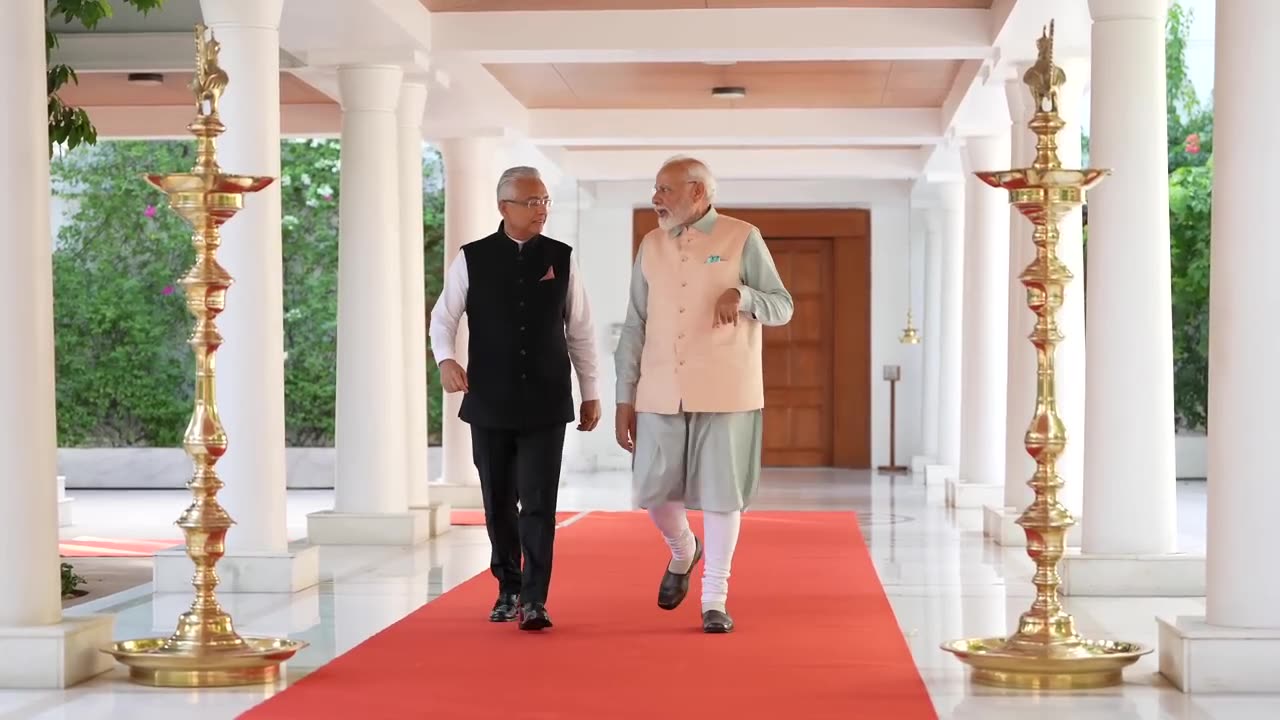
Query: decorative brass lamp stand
{"x": 205, "y": 650}
{"x": 1046, "y": 652}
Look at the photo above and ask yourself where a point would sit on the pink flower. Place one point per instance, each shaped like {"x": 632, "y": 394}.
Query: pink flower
{"x": 168, "y": 290}
{"x": 1193, "y": 143}
{"x": 150, "y": 211}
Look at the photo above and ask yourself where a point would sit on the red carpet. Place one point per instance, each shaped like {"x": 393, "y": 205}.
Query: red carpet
{"x": 84, "y": 547}
{"x": 476, "y": 517}
{"x": 815, "y": 639}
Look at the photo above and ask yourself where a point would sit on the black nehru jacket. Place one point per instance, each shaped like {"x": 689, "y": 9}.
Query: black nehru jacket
{"x": 518, "y": 369}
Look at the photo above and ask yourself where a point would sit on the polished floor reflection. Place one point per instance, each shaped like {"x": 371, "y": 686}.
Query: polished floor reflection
{"x": 943, "y": 580}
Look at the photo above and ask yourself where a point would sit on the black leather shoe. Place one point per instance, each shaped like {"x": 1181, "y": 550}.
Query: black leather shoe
{"x": 533, "y": 616}
{"x": 716, "y": 622}
{"x": 674, "y": 587}
{"x": 504, "y": 609}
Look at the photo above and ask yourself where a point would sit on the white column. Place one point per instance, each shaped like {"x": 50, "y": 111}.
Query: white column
{"x": 986, "y": 330}
{"x": 951, "y": 319}
{"x": 932, "y": 329}
{"x": 38, "y": 648}
{"x": 251, "y": 363}
{"x": 470, "y": 213}
{"x": 1129, "y": 423}
{"x": 1071, "y": 355}
{"x": 28, "y": 439}
{"x": 413, "y": 100}
{"x": 1242, "y": 491}
{"x": 1235, "y": 647}
{"x": 372, "y": 493}
{"x": 1129, "y": 431}
{"x": 999, "y": 522}
{"x": 1021, "y": 399}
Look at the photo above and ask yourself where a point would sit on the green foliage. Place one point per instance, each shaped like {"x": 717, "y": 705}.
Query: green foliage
{"x": 70, "y": 580}
{"x": 309, "y": 198}
{"x": 433, "y": 246}
{"x": 68, "y": 125}
{"x": 1190, "y": 190}
{"x": 124, "y": 369}
{"x": 1187, "y": 117}
{"x": 1190, "y": 127}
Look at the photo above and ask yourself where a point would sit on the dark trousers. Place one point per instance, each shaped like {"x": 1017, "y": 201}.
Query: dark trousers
{"x": 520, "y": 466}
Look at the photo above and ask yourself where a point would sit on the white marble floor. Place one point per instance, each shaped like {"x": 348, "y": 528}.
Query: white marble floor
{"x": 943, "y": 580}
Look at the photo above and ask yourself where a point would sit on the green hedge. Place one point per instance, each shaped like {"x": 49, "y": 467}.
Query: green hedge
{"x": 124, "y": 369}
{"x": 1190, "y": 130}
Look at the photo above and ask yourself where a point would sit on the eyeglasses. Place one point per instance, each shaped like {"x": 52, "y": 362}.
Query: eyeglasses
{"x": 531, "y": 204}
{"x": 667, "y": 189}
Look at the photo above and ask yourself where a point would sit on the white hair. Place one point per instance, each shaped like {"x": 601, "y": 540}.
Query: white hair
{"x": 511, "y": 175}
{"x": 697, "y": 171}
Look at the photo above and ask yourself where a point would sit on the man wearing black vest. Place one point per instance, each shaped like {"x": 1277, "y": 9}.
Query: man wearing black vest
{"x": 529, "y": 320}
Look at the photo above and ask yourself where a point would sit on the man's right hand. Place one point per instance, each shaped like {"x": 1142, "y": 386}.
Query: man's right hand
{"x": 624, "y": 426}
{"x": 453, "y": 377}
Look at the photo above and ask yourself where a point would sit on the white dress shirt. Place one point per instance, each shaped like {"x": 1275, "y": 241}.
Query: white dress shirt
{"x": 579, "y": 329}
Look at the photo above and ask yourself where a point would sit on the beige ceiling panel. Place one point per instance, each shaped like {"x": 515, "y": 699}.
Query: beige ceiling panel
{"x": 857, "y": 84}
{"x": 930, "y": 4}
{"x": 914, "y": 98}
{"x": 536, "y": 85}
{"x": 536, "y": 5}
{"x": 922, "y": 74}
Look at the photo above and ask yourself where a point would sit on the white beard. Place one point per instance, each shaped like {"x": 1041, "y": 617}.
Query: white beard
{"x": 672, "y": 220}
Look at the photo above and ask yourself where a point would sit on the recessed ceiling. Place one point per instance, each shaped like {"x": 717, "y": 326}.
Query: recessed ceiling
{"x": 539, "y": 5}
{"x": 835, "y": 84}
{"x": 114, "y": 89}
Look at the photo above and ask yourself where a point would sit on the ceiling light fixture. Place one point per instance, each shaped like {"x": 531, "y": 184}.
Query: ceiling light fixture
{"x": 729, "y": 92}
{"x": 146, "y": 78}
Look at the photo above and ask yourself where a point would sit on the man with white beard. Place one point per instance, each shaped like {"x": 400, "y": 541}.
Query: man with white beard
{"x": 690, "y": 379}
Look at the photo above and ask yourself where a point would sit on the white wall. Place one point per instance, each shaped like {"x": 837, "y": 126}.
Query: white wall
{"x": 603, "y": 243}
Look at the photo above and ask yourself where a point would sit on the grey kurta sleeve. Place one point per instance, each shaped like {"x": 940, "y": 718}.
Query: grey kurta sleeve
{"x": 763, "y": 295}
{"x": 631, "y": 340}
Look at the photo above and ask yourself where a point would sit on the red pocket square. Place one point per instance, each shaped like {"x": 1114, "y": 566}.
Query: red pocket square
{"x": 550, "y": 275}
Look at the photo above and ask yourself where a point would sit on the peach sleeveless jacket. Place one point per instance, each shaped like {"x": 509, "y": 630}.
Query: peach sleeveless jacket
{"x": 688, "y": 365}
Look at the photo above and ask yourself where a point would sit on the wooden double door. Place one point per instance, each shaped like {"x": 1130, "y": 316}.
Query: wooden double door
{"x": 817, "y": 368}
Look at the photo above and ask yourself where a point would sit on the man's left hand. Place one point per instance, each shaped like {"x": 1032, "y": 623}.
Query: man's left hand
{"x": 727, "y": 307}
{"x": 589, "y": 415}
